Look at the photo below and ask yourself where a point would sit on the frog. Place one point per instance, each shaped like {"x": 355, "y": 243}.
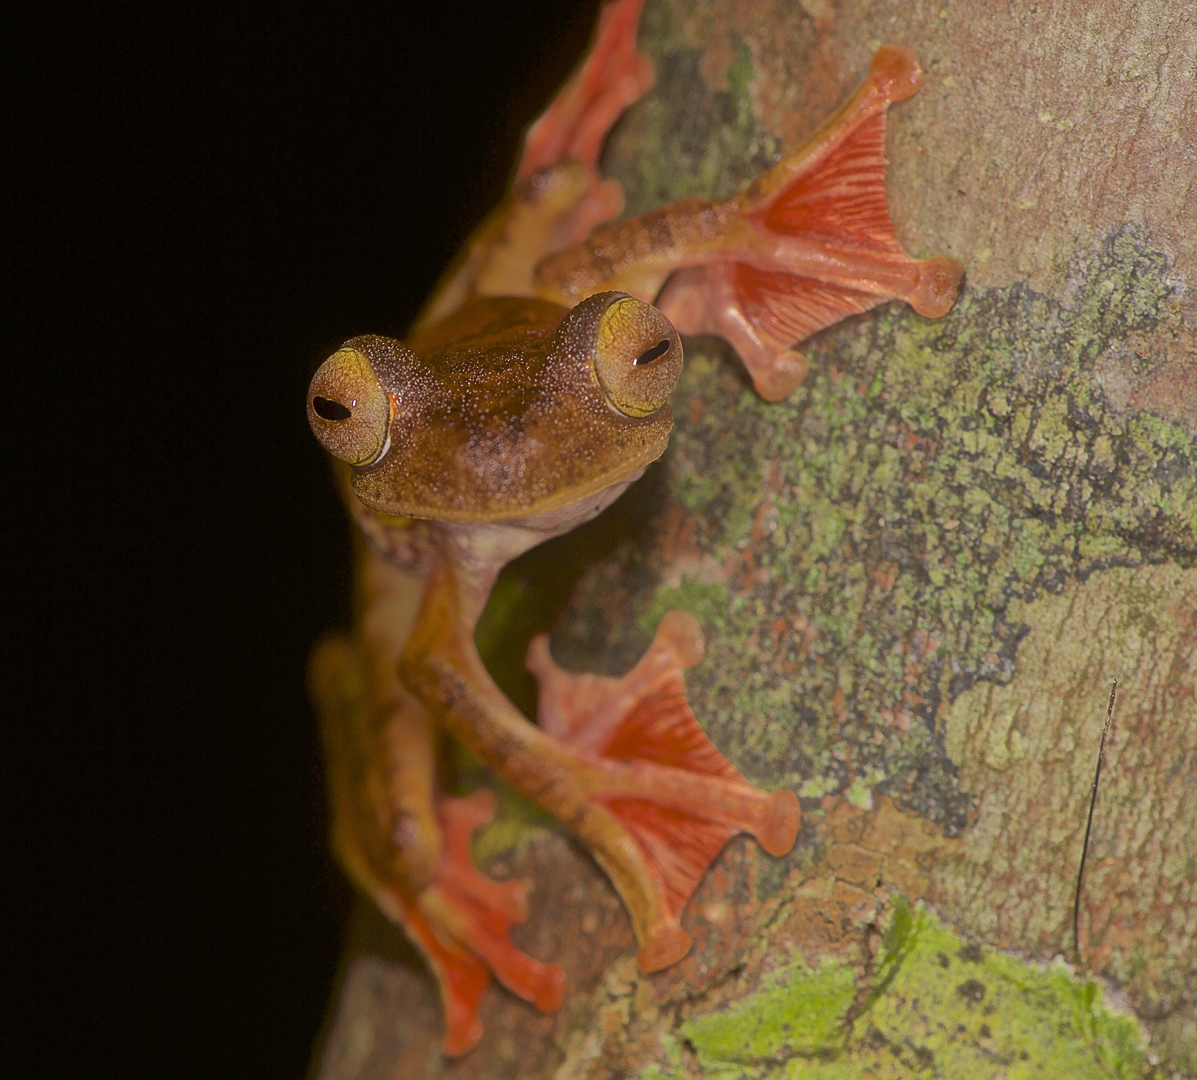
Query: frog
{"x": 532, "y": 390}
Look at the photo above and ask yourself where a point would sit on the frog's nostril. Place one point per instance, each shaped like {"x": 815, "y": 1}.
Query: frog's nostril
{"x": 329, "y": 410}
{"x": 649, "y": 355}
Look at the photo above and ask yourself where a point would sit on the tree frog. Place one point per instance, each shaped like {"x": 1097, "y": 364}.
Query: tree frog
{"x": 533, "y": 389}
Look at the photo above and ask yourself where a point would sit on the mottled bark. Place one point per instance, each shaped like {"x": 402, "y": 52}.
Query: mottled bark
{"x": 919, "y": 577}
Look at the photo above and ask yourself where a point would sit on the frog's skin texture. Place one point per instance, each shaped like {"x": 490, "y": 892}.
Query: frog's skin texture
{"x": 531, "y": 392}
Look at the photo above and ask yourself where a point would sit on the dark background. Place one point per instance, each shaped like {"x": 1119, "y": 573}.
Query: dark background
{"x": 206, "y": 200}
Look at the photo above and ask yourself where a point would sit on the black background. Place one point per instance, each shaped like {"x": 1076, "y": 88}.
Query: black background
{"x": 205, "y": 201}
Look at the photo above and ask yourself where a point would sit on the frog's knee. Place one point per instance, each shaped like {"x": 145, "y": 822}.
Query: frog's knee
{"x": 415, "y": 849}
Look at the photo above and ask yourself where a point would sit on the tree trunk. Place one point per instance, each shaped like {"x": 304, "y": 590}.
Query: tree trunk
{"x": 920, "y": 577}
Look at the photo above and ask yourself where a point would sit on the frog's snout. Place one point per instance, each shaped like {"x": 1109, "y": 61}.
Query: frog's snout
{"x": 348, "y": 408}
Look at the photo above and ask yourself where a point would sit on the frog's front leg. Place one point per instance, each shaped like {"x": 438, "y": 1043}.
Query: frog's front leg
{"x": 808, "y": 244}
{"x": 627, "y": 768}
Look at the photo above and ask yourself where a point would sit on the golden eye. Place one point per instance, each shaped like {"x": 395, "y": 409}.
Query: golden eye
{"x": 637, "y": 357}
{"x": 348, "y": 408}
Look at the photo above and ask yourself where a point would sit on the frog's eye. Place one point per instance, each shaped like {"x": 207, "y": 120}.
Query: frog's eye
{"x": 637, "y": 357}
{"x": 348, "y": 408}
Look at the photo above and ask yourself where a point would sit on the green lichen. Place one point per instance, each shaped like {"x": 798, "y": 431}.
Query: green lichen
{"x": 799, "y": 1010}
{"x": 868, "y": 549}
{"x": 938, "y": 1006}
{"x": 859, "y": 793}
{"x": 953, "y": 1009}
{"x": 706, "y": 601}
{"x": 517, "y": 823}
{"x": 671, "y": 1066}
{"x": 878, "y": 534}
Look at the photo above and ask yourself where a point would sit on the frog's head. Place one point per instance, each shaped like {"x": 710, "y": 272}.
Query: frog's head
{"x": 508, "y": 408}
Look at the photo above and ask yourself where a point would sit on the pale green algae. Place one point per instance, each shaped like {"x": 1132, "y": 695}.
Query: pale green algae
{"x": 937, "y": 1006}
{"x": 800, "y": 1010}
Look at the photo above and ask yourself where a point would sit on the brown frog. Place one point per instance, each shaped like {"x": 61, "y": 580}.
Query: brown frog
{"x": 532, "y": 391}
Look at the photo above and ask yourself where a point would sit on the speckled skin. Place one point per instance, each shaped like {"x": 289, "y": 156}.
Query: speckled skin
{"x": 499, "y": 416}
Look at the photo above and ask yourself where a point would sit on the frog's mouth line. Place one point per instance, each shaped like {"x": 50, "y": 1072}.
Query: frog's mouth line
{"x": 573, "y": 514}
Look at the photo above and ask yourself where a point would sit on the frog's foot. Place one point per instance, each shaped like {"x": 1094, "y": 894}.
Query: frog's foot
{"x": 461, "y": 922}
{"x": 712, "y": 300}
{"x": 612, "y": 77}
{"x": 671, "y": 791}
{"x": 813, "y": 243}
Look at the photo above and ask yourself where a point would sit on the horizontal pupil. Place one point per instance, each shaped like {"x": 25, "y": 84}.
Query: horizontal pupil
{"x": 329, "y": 410}
{"x": 648, "y": 356}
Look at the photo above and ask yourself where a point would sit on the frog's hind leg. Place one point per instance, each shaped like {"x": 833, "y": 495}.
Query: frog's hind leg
{"x": 815, "y": 243}
{"x": 574, "y": 127}
{"x": 460, "y": 922}
{"x": 558, "y": 196}
{"x": 409, "y": 849}
{"x": 461, "y": 977}
{"x": 644, "y": 716}
{"x": 612, "y": 77}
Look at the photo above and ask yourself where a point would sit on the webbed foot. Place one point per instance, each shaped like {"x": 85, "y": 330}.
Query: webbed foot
{"x": 809, "y": 243}
{"x": 819, "y": 244}
{"x": 621, "y": 762}
{"x": 674, "y": 794}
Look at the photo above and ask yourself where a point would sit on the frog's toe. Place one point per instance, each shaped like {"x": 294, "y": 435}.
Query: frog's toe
{"x": 664, "y": 949}
{"x": 779, "y": 826}
{"x": 602, "y": 202}
{"x": 939, "y": 282}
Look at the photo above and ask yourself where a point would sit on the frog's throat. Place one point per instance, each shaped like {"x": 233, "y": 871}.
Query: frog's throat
{"x": 590, "y": 491}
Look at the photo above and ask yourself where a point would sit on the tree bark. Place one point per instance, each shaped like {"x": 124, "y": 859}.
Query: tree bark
{"x": 919, "y": 578}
